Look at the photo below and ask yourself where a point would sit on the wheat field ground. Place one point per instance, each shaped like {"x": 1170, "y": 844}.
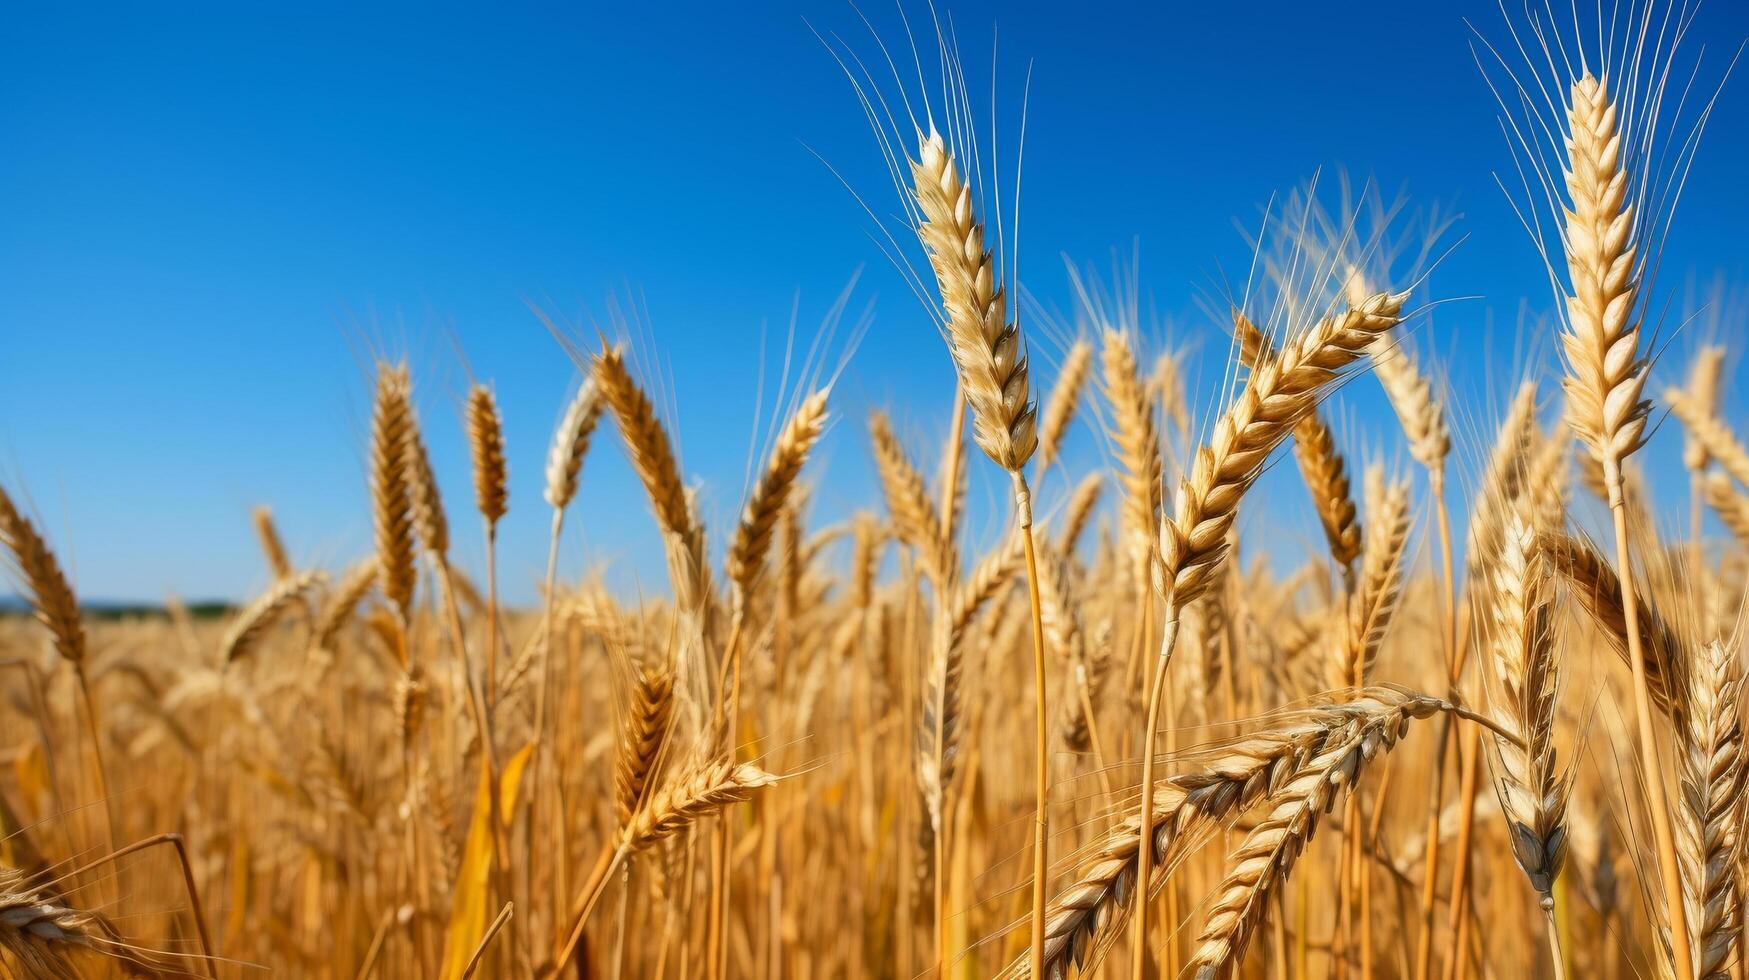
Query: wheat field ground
{"x": 1486, "y": 721}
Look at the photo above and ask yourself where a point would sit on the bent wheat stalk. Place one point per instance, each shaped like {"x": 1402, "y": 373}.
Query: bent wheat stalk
{"x": 1195, "y": 539}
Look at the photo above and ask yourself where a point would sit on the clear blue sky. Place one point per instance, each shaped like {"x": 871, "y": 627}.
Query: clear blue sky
{"x": 210, "y": 212}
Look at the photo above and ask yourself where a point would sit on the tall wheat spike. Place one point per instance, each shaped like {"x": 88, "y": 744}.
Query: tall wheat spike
{"x": 746, "y": 562}
{"x": 1710, "y": 434}
{"x": 486, "y": 440}
{"x": 261, "y": 614}
{"x": 1710, "y": 817}
{"x": 1731, "y": 505}
{"x": 652, "y": 457}
{"x": 1321, "y": 464}
{"x": 1196, "y": 538}
{"x": 914, "y": 518}
{"x": 1521, "y": 636}
{"x": 1605, "y": 382}
{"x": 1135, "y": 440}
{"x": 1273, "y": 399}
{"x": 391, "y": 500}
{"x": 985, "y": 345}
{"x": 272, "y": 546}
{"x": 992, "y": 369}
{"x": 1232, "y": 777}
{"x": 1064, "y": 400}
{"x": 35, "y": 566}
{"x": 1379, "y": 585}
{"x": 571, "y": 444}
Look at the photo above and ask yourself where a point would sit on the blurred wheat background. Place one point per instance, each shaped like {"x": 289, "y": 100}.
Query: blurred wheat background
{"x": 1243, "y": 642}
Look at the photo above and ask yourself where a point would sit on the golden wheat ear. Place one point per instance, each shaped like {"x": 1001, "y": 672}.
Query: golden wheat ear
{"x": 1709, "y": 819}
{"x": 1272, "y": 400}
{"x": 1135, "y": 441}
{"x": 51, "y": 595}
{"x": 985, "y": 345}
{"x": 257, "y": 617}
{"x": 771, "y": 495}
{"x": 486, "y": 440}
{"x": 571, "y": 444}
{"x": 1064, "y": 401}
{"x": 390, "y": 486}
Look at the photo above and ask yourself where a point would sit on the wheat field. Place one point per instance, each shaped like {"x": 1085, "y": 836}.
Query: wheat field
{"x": 1487, "y": 723}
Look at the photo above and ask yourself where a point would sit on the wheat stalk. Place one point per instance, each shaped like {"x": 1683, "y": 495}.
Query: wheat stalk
{"x": 1273, "y": 399}
{"x": 1599, "y": 590}
{"x": 1079, "y": 510}
{"x": 1605, "y": 381}
{"x": 345, "y": 599}
{"x": 687, "y": 800}
{"x": 1195, "y": 540}
{"x": 1419, "y": 413}
{"x": 40, "y": 934}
